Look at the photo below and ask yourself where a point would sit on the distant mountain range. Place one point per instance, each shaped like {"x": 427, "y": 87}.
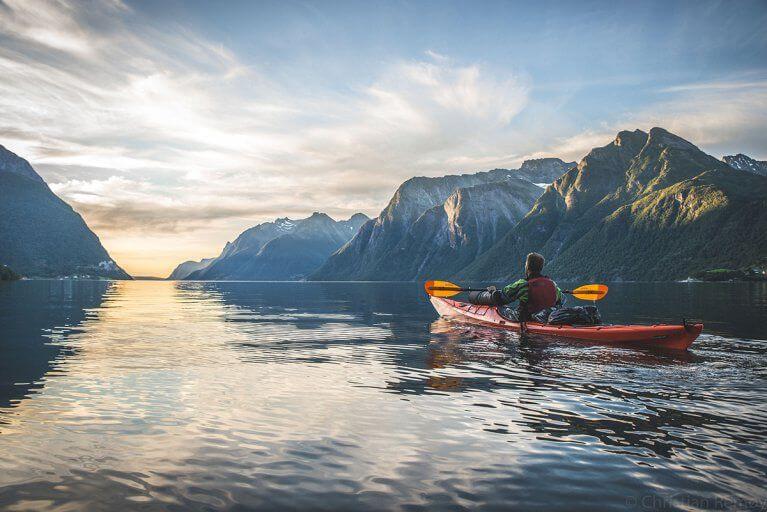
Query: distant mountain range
{"x": 281, "y": 250}
{"x": 187, "y": 267}
{"x": 746, "y": 163}
{"x": 41, "y": 235}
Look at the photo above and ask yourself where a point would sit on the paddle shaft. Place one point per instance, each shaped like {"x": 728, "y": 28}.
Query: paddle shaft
{"x": 450, "y": 289}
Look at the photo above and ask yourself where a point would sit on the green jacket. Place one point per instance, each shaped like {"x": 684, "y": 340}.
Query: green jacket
{"x": 518, "y": 291}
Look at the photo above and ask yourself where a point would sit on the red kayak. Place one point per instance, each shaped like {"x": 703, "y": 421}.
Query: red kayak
{"x": 677, "y": 337}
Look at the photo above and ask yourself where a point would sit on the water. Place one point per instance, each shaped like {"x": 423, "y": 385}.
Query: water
{"x": 207, "y": 396}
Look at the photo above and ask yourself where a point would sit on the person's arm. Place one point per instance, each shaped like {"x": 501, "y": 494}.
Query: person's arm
{"x": 560, "y": 297}
{"x": 516, "y": 291}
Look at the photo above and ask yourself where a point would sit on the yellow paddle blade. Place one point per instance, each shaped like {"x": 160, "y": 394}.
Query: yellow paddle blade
{"x": 442, "y": 288}
{"x": 590, "y": 292}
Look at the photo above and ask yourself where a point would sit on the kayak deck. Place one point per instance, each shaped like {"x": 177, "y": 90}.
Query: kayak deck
{"x": 677, "y": 337}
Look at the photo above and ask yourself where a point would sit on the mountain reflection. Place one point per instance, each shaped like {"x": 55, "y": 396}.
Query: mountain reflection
{"x": 35, "y": 316}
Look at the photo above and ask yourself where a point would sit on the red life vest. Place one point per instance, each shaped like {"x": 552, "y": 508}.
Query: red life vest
{"x": 541, "y": 294}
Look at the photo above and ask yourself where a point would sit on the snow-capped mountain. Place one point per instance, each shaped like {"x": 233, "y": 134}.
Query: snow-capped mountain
{"x": 284, "y": 249}
{"x": 746, "y": 163}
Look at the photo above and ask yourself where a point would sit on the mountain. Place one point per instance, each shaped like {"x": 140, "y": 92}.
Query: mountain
{"x": 447, "y": 237}
{"x": 281, "y": 250}
{"x": 543, "y": 170}
{"x": 647, "y": 206}
{"x": 187, "y": 267}
{"x": 539, "y": 171}
{"x": 746, "y": 163}
{"x": 41, "y": 235}
{"x": 419, "y": 215}
{"x": 11, "y": 163}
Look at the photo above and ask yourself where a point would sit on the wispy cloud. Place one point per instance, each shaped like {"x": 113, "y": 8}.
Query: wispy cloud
{"x": 717, "y": 116}
{"x": 716, "y": 86}
{"x": 136, "y": 206}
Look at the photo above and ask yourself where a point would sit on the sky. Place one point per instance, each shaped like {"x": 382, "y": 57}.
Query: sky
{"x": 173, "y": 126}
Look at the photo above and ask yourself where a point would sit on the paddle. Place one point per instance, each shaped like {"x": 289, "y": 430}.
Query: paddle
{"x": 448, "y": 289}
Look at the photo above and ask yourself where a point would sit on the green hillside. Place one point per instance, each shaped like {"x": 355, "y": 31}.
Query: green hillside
{"x": 644, "y": 207}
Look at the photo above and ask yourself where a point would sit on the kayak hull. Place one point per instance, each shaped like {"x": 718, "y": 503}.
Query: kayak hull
{"x": 676, "y": 337}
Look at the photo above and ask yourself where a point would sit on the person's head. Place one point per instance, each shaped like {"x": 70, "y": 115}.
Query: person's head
{"x": 534, "y": 264}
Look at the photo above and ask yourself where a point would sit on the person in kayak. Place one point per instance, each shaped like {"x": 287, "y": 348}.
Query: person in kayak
{"x": 536, "y": 293}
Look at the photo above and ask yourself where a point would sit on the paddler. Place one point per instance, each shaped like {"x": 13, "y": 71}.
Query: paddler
{"x": 535, "y": 292}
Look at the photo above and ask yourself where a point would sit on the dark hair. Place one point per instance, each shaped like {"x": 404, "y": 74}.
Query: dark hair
{"x": 534, "y": 264}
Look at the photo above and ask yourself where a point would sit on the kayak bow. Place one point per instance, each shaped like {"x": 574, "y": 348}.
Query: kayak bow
{"x": 677, "y": 337}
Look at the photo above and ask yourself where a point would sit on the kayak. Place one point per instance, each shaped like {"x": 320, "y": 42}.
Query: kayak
{"x": 677, "y": 337}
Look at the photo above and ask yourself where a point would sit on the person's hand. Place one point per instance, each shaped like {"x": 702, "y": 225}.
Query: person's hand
{"x": 491, "y": 289}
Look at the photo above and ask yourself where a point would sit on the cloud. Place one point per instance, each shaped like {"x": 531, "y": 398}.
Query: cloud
{"x": 51, "y": 25}
{"x": 714, "y": 86}
{"x": 414, "y": 118}
{"x": 719, "y": 117}
{"x": 575, "y": 147}
{"x": 120, "y": 204}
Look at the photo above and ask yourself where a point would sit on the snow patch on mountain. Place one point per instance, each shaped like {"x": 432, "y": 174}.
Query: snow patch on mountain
{"x": 746, "y": 163}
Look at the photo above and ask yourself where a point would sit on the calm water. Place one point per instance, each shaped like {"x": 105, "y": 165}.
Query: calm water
{"x": 157, "y": 395}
